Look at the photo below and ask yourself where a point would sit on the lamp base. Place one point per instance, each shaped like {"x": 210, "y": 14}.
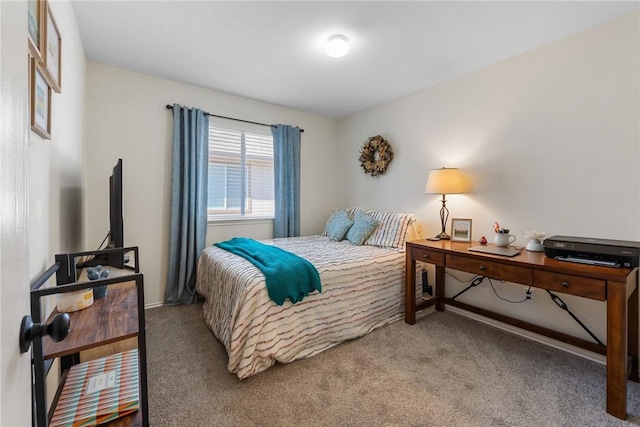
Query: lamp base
{"x": 443, "y": 236}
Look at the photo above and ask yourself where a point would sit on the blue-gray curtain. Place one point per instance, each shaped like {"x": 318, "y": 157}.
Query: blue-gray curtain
{"x": 286, "y": 165}
{"x": 188, "y": 219}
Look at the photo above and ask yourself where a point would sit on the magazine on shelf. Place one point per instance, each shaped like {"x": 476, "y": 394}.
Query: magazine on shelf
{"x": 99, "y": 391}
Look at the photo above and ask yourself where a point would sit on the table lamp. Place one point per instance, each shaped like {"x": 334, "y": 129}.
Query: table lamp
{"x": 444, "y": 181}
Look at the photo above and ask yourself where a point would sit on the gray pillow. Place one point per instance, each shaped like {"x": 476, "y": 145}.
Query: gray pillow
{"x": 338, "y": 225}
{"x": 363, "y": 226}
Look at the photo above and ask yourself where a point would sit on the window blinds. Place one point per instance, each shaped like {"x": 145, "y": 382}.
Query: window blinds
{"x": 240, "y": 180}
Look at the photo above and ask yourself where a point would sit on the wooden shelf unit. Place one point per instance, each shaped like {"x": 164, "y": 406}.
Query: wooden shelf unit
{"x": 118, "y": 316}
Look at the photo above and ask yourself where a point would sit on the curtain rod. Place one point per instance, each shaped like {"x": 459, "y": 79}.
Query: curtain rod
{"x": 170, "y": 107}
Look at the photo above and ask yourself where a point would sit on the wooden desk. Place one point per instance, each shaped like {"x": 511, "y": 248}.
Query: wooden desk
{"x": 617, "y": 286}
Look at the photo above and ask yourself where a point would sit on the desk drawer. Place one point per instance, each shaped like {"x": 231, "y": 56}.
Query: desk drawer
{"x": 427, "y": 255}
{"x": 568, "y": 284}
{"x": 494, "y": 270}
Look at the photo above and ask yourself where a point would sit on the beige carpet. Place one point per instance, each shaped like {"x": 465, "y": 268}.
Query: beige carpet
{"x": 445, "y": 370}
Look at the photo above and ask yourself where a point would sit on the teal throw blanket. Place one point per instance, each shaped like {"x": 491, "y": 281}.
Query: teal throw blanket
{"x": 287, "y": 275}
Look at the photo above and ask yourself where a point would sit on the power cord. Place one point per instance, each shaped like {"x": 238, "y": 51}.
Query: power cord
{"x": 476, "y": 280}
{"x": 460, "y": 280}
{"x": 527, "y": 297}
{"x": 105, "y": 239}
{"x": 83, "y": 263}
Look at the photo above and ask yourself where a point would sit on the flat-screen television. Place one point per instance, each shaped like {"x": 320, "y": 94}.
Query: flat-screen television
{"x": 116, "y": 216}
{"x": 116, "y": 224}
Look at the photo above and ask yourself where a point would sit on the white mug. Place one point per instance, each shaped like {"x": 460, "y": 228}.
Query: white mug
{"x": 504, "y": 239}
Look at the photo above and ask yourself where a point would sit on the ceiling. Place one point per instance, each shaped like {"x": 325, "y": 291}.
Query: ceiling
{"x": 272, "y": 51}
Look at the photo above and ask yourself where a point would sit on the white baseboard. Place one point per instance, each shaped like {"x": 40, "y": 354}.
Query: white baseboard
{"x": 595, "y": 357}
{"x": 153, "y": 305}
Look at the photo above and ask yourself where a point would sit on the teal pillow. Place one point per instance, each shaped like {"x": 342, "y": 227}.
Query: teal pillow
{"x": 338, "y": 225}
{"x": 363, "y": 226}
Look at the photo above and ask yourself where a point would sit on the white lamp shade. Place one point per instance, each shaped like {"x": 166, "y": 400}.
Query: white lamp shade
{"x": 444, "y": 181}
{"x": 337, "y": 46}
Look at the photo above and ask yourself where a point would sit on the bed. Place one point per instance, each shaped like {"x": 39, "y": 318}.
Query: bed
{"x": 362, "y": 290}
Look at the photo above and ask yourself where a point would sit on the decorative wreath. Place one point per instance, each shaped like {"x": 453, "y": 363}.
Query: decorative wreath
{"x": 375, "y": 155}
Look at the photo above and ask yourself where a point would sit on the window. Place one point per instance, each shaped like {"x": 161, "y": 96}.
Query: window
{"x": 240, "y": 179}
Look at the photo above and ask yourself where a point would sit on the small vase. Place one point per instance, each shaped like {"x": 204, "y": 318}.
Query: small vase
{"x": 534, "y": 245}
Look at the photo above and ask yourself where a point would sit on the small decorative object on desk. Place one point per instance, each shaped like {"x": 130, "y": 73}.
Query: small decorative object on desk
{"x": 498, "y": 229}
{"x": 483, "y": 240}
{"x": 502, "y": 236}
{"x": 534, "y": 244}
{"x": 460, "y": 230}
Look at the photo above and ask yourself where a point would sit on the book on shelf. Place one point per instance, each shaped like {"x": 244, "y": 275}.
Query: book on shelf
{"x": 99, "y": 391}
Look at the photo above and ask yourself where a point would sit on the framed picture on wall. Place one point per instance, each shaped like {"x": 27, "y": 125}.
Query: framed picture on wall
{"x": 53, "y": 51}
{"x": 460, "y": 230}
{"x": 35, "y": 14}
{"x": 40, "y": 98}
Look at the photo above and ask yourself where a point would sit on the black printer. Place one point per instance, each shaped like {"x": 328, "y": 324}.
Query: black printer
{"x": 585, "y": 250}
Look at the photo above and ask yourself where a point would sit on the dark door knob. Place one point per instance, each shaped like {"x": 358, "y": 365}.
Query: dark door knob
{"x": 57, "y": 329}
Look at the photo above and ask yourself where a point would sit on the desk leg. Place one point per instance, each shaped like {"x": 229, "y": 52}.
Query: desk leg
{"x": 617, "y": 350}
{"x": 440, "y": 288}
{"x": 632, "y": 325}
{"x": 410, "y": 291}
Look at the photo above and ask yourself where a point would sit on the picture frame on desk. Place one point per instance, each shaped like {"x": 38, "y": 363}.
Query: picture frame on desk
{"x": 461, "y": 230}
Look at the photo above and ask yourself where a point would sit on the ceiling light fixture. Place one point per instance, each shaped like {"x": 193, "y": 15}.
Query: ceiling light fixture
{"x": 337, "y": 46}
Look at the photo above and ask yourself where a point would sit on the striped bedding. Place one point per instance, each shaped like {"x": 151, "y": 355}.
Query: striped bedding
{"x": 362, "y": 289}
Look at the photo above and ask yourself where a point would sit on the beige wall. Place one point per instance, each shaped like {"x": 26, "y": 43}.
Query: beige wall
{"x": 549, "y": 139}
{"x": 127, "y": 119}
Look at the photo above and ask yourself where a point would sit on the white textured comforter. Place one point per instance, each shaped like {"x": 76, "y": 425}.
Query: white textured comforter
{"x": 362, "y": 289}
